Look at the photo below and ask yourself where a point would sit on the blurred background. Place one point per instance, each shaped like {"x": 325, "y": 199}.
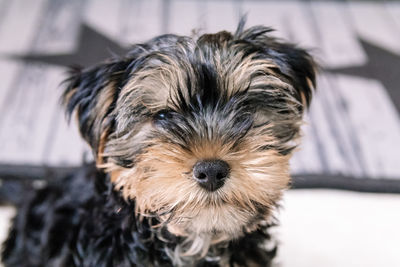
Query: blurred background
{"x": 351, "y": 138}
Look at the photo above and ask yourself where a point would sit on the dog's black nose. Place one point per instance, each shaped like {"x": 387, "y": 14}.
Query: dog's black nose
{"x": 211, "y": 174}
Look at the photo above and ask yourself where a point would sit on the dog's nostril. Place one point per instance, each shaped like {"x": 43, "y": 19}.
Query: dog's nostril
{"x": 201, "y": 176}
{"x": 211, "y": 174}
{"x": 221, "y": 175}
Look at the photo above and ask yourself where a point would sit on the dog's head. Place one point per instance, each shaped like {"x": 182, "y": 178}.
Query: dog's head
{"x": 198, "y": 132}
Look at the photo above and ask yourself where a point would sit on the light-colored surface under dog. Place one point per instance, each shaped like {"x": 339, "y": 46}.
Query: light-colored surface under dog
{"x": 328, "y": 228}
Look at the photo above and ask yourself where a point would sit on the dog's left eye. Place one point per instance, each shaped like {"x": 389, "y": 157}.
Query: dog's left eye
{"x": 162, "y": 115}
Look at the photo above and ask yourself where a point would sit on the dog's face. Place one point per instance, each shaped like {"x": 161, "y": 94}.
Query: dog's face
{"x": 197, "y": 131}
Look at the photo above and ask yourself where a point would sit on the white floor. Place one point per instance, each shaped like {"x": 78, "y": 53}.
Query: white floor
{"x": 328, "y": 228}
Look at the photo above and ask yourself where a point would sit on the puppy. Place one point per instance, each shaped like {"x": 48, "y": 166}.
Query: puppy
{"x": 192, "y": 139}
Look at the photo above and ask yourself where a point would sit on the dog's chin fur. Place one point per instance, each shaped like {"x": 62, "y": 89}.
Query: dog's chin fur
{"x": 150, "y": 118}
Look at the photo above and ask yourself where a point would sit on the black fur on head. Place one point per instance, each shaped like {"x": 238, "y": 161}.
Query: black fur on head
{"x": 174, "y": 101}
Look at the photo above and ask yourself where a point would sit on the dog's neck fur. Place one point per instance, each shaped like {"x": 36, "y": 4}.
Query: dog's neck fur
{"x": 197, "y": 246}
{"x": 211, "y": 246}
{"x": 185, "y": 248}
{"x": 208, "y": 249}
{"x": 254, "y": 247}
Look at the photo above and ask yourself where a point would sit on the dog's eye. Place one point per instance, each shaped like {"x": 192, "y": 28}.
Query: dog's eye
{"x": 162, "y": 115}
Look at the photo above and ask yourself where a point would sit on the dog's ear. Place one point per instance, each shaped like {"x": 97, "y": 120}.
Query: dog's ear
{"x": 92, "y": 94}
{"x": 294, "y": 63}
{"x": 300, "y": 68}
